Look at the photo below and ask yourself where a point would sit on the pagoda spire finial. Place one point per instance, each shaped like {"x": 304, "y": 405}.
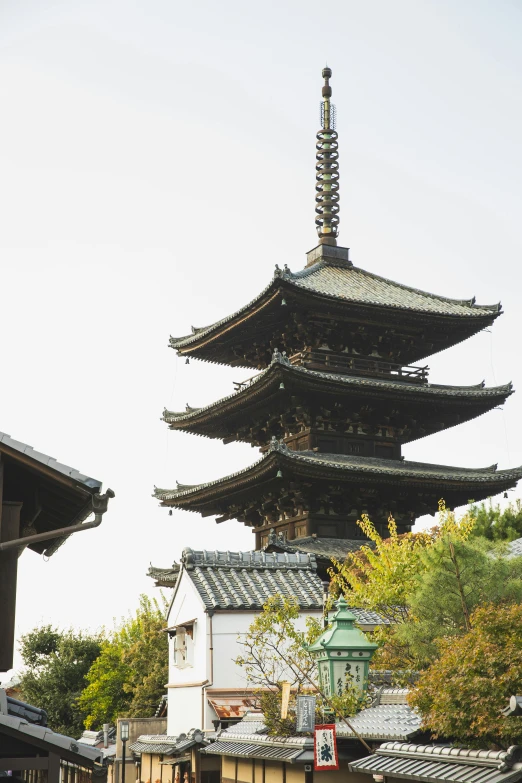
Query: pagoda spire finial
{"x": 327, "y": 169}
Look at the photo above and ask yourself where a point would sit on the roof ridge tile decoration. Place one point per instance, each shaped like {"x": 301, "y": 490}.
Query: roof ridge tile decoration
{"x": 444, "y": 763}
{"x": 354, "y": 463}
{"x": 476, "y": 391}
{"x": 354, "y": 284}
{"x": 245, "y": 580}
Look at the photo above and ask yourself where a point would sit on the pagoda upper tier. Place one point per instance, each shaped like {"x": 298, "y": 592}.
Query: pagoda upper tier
{"x": 303, "y": 493}
{"x": 334, "y": 308}
{"x": 335, "y": 412}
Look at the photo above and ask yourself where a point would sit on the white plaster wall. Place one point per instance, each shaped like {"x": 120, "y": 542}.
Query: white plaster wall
{"x": 228, "y": 628}
{"x": 184, "y": 710}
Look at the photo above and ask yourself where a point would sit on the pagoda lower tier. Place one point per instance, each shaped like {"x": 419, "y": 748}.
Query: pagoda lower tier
{"x": 335, "y": 413}
{"x": 334, "y": 305}
{"x": 303, "y": 493}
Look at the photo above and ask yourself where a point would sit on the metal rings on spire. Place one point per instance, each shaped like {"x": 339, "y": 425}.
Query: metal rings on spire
{"x": 327, "y": 170}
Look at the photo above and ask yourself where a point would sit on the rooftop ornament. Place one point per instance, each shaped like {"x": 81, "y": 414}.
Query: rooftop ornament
{"x": 327, "y": 169}
{"x": 343, "y": 654}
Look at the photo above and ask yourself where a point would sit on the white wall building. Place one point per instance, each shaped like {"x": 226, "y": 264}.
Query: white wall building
{"x": 216, "y": 597}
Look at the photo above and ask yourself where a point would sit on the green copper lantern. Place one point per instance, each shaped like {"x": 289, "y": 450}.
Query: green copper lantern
{"x": 343, "y": 654}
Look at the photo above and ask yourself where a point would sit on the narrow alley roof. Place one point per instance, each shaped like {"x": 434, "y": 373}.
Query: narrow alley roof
{"x": 442, "y": 764}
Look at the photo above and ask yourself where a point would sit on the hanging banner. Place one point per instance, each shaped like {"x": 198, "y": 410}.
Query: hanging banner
{"x": 305, "y": 713}
{"x": 285, "y": 698}
{"x": 325, "y": 748}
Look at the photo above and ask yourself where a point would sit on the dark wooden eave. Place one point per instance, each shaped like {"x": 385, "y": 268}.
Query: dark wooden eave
{"x": 436, "y": 407}
{"x": 280, "y": 468}
{"x": 342, "y": 293}
{"x": 54, "y": 495}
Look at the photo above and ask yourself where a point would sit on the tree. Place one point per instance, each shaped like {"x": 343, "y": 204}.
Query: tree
{"x": 383, "y": 578}
{"x": 129, "y": 676}
{"x": 461, "y": 695}
{"x": 455, "y": 577}
{"x": 276, "y": 652}
{"x": 498, "y": 524}
{"x": 57, "y": 664}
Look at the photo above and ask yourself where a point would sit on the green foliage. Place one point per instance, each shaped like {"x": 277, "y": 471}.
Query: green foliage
{"x": 381, "y": 579}
{"x": 461, "y": 694}
{"x": 498, "y": 524}
{"x": 275, "y": 652}
{"x": 57, "y": 664}
{"x": 130, "y": 674}
{"x": 456, "y": 577}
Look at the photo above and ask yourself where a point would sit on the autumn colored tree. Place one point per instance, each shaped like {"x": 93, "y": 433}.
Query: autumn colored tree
{"x": 129, "y": 676}
{"x": 462, "y": 694}
{"x": 383, "y": 578}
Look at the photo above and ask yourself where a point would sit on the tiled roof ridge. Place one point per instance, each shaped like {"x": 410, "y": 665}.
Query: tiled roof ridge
{"x": 264, "y": 739}
{"x": 293, "y": 278}
{"x": 366, "y": 464}
{"x": 476, "y": 390}
{"x": 249, "y": 560}
{"x": 502, "y": 759}
{"x": 310, "y": 270}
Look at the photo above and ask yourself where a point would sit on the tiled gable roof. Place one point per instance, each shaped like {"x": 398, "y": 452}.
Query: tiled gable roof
{"x": 245, "y": 580}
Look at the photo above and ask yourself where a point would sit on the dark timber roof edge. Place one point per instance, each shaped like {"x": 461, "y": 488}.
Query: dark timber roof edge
{"x": 342, "y": 463}
{"x": 477, "y": 392}
{"x": 15, "y": 447}
{"x": 293, "y": 279}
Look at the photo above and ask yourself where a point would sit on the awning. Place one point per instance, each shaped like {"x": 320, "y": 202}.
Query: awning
{"x": 433, "y": 771}
{"x": 226, "y": 708}
{"x": 251, "y": 750}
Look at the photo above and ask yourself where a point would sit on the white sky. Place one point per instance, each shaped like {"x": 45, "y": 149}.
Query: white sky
{"x": 157, "y": 160}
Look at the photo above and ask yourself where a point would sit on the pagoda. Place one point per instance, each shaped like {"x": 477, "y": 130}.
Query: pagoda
{"x": 341, "y": 386}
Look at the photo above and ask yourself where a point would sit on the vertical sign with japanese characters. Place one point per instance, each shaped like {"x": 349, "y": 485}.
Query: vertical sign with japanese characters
{"x": 348, "y": 673}
{"x": 325, "y": 748}
{"x": 305, "y": 713}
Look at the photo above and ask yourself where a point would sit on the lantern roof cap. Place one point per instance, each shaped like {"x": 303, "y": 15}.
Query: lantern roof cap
{"x": 342, "y": 633}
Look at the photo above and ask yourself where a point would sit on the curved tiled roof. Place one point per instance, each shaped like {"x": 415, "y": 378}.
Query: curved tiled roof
{"x": 385, "y": 721}
{"x": 447, "y": 764}
{"x": 352, "y": 284}
{"x": 357, "y": 285}
{"x": 245, "y": 580}
{"x": 427, "y": 391}
{"x": 366, "y": 465}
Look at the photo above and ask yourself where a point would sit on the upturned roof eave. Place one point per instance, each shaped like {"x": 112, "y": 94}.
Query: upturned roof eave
{"x": 369, "y": 469}
{"x": 481, "y": 315}
{"x": 375, "y": 386}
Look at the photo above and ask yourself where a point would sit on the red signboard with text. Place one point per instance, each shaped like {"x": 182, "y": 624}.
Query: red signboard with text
{"x": 325, "y": 748}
